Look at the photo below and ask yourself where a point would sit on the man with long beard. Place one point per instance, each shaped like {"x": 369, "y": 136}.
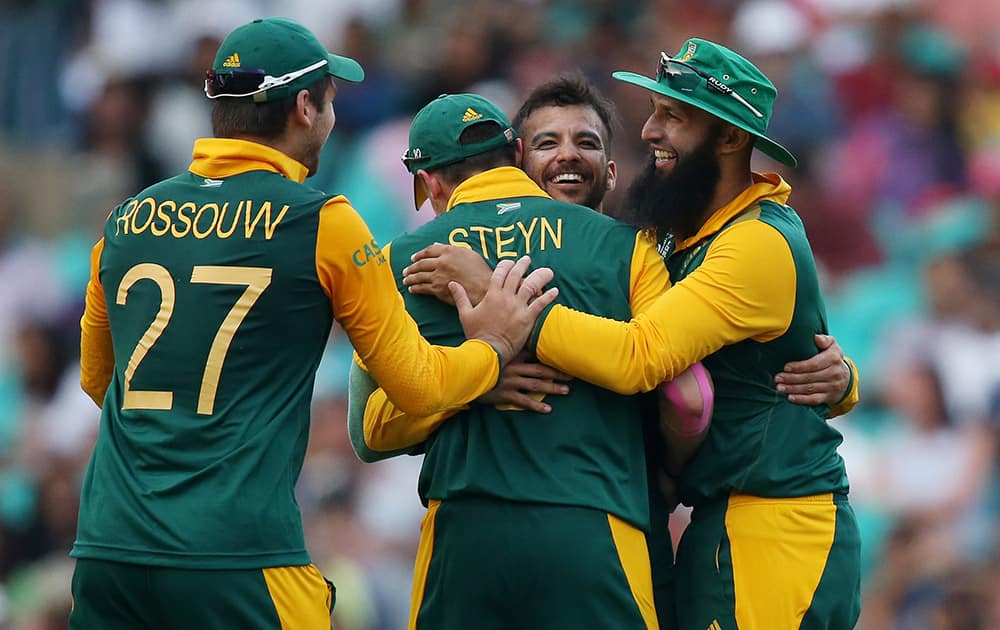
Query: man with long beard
{"x": 773, "y": 541}
{"x": 674, "y": 202}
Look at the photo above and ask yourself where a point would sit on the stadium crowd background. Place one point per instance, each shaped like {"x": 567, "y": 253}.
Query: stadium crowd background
{"x": 892, "y": 106}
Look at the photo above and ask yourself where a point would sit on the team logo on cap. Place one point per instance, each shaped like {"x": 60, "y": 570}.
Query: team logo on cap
{"x": 470, "y": 115}
{"x": 689, "y": 52}
{"x": 232, "y": 61}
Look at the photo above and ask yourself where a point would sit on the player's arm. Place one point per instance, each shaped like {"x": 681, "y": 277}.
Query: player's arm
{"x": 744, "y": 289}
{"x": 97, "y": 354}
{"x": 357, "y": 278}
{"x": 379, "y": 429}
{"x": 421, "y": 379}
{"x": 827, "y": 378}
{"x": 361, "y": 388}
{"x": 685, "y": 405}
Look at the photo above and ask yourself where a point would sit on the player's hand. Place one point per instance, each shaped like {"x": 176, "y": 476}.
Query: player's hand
{"x": 436, "y": 265}
{"x": 523, "y": 384}
{"x": 822, "y": 379}
{"x": 507, "y": 313}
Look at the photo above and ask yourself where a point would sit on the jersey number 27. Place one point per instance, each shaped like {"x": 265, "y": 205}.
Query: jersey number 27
{"x": 256, "y": 279}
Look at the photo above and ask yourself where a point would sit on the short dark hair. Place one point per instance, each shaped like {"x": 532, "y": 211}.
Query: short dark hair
{"x": 564, "y": 91}
{"x": 232, "y": 118}
{"x": 505, "y": 155}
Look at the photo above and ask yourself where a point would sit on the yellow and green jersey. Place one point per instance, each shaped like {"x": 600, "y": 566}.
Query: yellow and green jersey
{"x": 745, "y": 301}
{"x": 209, "y": 304}
{"x": 589, "y": 450}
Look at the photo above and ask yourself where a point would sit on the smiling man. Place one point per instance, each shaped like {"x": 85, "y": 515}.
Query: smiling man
{"x": 773, "y": 542}
{"x": 525, "y": 512}
{"x": 567, "y": 129}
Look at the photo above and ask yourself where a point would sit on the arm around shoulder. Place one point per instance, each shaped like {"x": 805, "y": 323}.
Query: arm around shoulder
{"x": 742, "y": 290}
{"x": 421, "y": 379}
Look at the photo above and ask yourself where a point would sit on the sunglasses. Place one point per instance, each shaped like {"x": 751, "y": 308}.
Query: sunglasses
{"x": 413, "y": 155}
{"x": 240, "y": 83}
{"x": 686, "y": 77}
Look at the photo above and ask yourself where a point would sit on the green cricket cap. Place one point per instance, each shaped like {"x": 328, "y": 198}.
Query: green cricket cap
{"x": 723, "y": 83}
{"x": 435, "y": 132}
{"x": 273, "y": 58}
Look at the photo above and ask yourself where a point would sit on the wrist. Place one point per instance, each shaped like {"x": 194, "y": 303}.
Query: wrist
{"x": 850, "y": 382}
{"x": 536, "y": 330}
{"x": 502, "y": 350}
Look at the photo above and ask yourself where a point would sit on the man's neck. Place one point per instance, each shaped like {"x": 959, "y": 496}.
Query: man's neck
{"x": 730, "y": 187}
{"x": 726, "y": 190}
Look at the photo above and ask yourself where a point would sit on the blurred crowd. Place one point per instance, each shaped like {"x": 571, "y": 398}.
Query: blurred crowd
{"x": 892, "y": 106}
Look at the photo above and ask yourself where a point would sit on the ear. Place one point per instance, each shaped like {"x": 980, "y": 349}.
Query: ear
{"x": 432, "y": 184}
{"x": 732, "y": 140}
{"x": 518, "y": 152}
{"x": 612, "y": 176}
{"x": 304, "y": 110}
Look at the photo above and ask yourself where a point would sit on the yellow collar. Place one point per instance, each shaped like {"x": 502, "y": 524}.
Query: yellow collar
{"x": 224, "y": 157}
{"x": 769, "y": 186}
{"x": 497, "y": 183}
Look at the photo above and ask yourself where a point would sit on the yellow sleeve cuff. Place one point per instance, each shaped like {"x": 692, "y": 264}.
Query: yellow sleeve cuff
{"x": 851, "y": 397}
{"x": 388, "y": 428}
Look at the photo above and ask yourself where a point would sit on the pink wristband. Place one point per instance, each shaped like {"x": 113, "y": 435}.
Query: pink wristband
{"x": 690, "y": 423}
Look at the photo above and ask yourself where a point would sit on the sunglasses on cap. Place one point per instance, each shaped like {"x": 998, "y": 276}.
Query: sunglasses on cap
{"x": 240, "y": 83}
{"x": 686, "y": 77}
{"x": 413, "y": 155}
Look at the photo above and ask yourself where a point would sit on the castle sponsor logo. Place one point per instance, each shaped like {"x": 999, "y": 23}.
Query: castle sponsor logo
{"x": 367, "y": 253}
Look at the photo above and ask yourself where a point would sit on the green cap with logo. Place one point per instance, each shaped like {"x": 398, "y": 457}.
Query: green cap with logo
{"x": 271, "y": 59}
{"x": 721, "y": 82}
{"x": 435, "y": 132}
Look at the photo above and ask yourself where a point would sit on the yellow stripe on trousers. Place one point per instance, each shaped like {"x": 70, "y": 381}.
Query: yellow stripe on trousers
{"x": 424, "y": 550}
{"x": 779, "y": 549}
{"x": 301, "y": 597}
{"x": 630, "y": 542}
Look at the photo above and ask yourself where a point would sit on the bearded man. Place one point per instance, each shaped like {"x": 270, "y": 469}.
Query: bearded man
{"x": 773, "y": 541}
